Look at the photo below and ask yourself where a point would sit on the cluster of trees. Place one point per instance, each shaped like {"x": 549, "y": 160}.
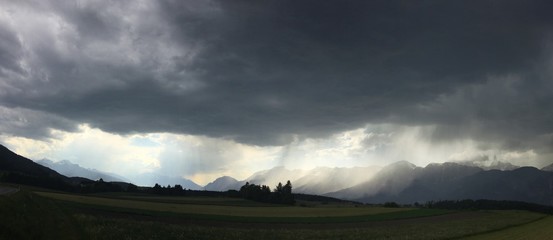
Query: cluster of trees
{"x": 99, "y": 186}
{"x": 483, "y": 204}
{"x": 176, "y": 190}
{"x": 322, "y": 199}
{"x": 282, "y": 194}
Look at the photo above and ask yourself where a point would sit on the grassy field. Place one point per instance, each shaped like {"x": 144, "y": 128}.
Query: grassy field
{"x": 422, "y": 229}
{"x": 540, "y": 229}
{"x": 24, "y": 215}
{"x": 244, "y": 211}
{"x": 220, "y": 201}
{"x": 47, "y": 215}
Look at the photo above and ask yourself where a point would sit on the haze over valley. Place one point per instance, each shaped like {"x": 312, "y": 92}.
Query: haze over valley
{"x": 401, "y": 182}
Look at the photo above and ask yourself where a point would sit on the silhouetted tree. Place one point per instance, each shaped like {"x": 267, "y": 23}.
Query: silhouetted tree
{"x": 278, "y": 188}
{"x": 262, "y": 193}
{"x": 286, "y": 195}
{"x": 132, "y": 188}
{"x": 482, "y": 204}
{"x": 157, "y": 189}
{"x": 177, "y": 190}
{"x": 287, "y": 189}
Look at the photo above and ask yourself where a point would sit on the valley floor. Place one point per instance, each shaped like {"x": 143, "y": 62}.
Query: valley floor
{"x": 47, "y": 215}
{"x": 540, "y": 229}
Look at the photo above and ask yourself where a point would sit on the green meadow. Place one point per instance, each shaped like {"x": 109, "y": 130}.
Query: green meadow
{"x": 54, "y": 215}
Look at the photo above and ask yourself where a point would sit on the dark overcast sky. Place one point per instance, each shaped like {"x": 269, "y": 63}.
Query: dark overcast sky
{"x": 266, "y": 72}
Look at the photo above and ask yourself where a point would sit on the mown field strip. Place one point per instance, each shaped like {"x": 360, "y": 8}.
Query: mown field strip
{"x": 285, "y": 211}
{"x": 541, "y": 229}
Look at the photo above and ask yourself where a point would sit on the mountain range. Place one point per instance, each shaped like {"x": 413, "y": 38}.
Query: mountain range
{"x": 318, "y": 181}
{"x": 70, "y": 169}
{"x": 150, "y": 179}
{"x": 18, "y": 169}
{"x": 401, "y": 182}
{"x": 404, "y": 182}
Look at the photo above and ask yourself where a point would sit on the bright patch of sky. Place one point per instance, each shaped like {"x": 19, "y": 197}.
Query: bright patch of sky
{"x": 202, "y": 159}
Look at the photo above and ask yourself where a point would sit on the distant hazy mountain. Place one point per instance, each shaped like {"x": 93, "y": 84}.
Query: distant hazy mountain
{"x": 324, "y": 179}
{"x": 404, "y": 183}
{"x": 270, "y": 177}
{"x": 315, "y": 181}
{"x": 150, "y": 179}
{"x": 147, "y": 179}
{"x": 275, "y": 175}
{"x": 526, "y": 184}
{"x": 223, "y": 184}
{"x": 70, "y": 169}
{"x": 391, "y": 180}
{"x": 432, "y": 182}
{"x": 489, "y": 164}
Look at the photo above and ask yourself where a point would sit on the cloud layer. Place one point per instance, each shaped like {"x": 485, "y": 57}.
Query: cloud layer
{"x": 271, "y": 73}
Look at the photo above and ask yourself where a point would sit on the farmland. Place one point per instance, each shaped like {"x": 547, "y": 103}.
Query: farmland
{"x": 55, "y": 215}
{"x": 210, "y": 209}
{"x": 540, "y": 229}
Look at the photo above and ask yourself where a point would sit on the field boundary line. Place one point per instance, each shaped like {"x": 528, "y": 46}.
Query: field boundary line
{"x": 503, "y": 228}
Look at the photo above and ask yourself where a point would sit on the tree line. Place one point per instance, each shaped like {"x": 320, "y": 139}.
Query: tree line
{"x": 282, "y": 194}
{"x": 483, "y": 204}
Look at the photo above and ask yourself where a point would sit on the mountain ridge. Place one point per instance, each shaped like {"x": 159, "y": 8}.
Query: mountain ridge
{"x": 70, "y": 169}
{"x": 18, "y": 169}
{"x": 402, "y": 181}
{"x": 223, "y": 183}
{"x": 152, "y": 178}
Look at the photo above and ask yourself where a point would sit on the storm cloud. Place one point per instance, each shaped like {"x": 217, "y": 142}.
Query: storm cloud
{"x": 268, "y": 72}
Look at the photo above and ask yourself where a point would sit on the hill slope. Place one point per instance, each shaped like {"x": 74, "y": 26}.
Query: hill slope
{"x": 18, "y": 169}
{"x": 548, "y": 168}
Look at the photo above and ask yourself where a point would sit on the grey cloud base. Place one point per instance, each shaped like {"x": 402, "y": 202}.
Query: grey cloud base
{"x": 265, "y": 72}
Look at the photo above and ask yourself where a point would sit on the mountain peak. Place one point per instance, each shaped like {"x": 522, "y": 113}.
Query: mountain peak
{"x": 70, "y": 169}
{"x": 223, "y": 183}
{"x": 402, "y": 164}
{"x": 226, "y": 178}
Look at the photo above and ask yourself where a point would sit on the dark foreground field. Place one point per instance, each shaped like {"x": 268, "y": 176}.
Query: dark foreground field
{"x": 30, "y": 214}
